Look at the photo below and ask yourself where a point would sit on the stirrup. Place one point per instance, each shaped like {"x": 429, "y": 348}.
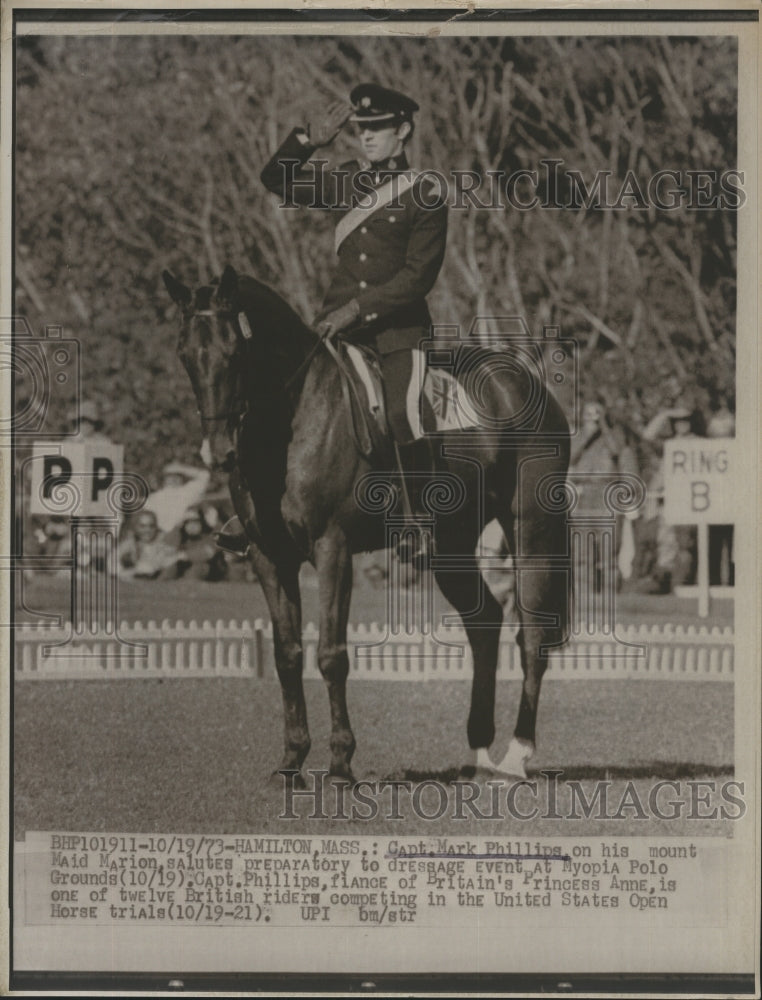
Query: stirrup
{"x": 236, "y": 542}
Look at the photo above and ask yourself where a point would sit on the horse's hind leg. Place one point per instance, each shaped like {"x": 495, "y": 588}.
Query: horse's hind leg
{"x": 542, "y": 602}
{"x": 333, "y": 561}
{"x": 482, "y": 617}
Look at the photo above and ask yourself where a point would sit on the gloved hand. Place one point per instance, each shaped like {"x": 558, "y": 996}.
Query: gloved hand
{"x": 325, "y": 130}
{"x": 339, "y": 319}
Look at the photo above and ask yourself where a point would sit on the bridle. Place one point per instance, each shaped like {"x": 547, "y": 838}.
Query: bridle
{"x": 243, "y": 322}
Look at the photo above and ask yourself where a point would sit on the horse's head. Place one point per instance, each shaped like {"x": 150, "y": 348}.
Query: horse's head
{"x": 211, "y": 344}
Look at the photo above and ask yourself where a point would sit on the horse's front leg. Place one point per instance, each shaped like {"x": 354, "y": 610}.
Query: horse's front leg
{"x": 333, "y": 561}
{"x": 280, "y": 584}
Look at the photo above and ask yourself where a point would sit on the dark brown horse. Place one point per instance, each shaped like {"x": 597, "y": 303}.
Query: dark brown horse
{"x": 297, "y": 482}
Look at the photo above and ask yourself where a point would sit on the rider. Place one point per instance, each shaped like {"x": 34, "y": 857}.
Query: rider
{"x": 390, "y": 241}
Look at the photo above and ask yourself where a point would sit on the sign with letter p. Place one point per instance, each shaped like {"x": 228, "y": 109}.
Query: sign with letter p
{"x": 74, "y": 477}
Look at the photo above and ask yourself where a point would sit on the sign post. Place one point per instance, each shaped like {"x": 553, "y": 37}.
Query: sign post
{"x": 699, "y": 488}
{"x": 85, "y": 481}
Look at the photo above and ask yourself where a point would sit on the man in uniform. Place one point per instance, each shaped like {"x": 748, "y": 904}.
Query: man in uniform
{"x": 390, "y": 241}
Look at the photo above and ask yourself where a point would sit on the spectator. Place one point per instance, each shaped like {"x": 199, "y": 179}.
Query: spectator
{"x": 721, "y": 564}
{"x": 676, "y": 545}
{"x": 722, "y": 423}
{"x": 183, "y": 486}
{"x": 146, "y": 553}
{"x": 200, "y": 559}
{"x": 88, "y": 422}
{"x": 601, "y": 450}
{"x": 675, "y": 421}
{"x": 51, "y": 537}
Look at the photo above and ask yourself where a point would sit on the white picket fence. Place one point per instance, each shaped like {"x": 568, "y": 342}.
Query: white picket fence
{"x": 243, "y": 649}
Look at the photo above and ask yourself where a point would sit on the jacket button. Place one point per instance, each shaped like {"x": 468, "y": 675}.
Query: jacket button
{"x": 392, "y": 218}
{"x": 363, "y": 256}
{"x": 363, "y": 284}
{"x": 363, "y": 229}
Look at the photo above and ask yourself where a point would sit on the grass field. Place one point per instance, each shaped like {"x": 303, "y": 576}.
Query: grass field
{"x": 186, "y": 599}
{"x": 195, "y": 756}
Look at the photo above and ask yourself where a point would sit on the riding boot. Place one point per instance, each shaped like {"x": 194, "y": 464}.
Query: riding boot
{"x": 232, "y": 538}
{"x": 417, "y": 468}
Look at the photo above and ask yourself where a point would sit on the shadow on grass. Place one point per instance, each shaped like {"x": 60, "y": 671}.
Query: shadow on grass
{"x": 657, "y": 769}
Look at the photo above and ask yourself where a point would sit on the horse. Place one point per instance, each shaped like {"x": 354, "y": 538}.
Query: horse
{"x": 269, "y": 399}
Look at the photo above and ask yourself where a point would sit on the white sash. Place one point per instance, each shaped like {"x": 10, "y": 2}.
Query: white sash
{"x": 371, "y": 203}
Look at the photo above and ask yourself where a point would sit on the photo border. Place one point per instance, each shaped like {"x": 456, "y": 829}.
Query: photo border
{"x": 747, "y": 701}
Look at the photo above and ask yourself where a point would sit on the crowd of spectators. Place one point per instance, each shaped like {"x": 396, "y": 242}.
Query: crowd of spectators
{"x": 654, "y": 556}
{"x": 188, "y": 550}
{"x": 173, "y": 535}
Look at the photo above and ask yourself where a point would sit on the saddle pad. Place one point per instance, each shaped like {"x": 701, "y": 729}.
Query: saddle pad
{"x": 447, "y": 400}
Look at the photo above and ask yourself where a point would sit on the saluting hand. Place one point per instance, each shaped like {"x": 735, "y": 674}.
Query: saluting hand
{"x": 325, "y": 129}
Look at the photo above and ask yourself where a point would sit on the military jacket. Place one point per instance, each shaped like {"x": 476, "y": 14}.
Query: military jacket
{"x": 388, "y": 254}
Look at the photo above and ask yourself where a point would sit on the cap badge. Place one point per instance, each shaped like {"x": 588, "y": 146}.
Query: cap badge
{"x": 365, "y": 102}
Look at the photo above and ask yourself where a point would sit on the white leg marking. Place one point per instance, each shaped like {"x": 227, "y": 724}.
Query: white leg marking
{"x": 514, "y": 762}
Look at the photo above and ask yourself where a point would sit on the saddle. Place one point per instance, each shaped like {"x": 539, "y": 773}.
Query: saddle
{"x": 448, "y": 406}
{"x": 362, "y": 387}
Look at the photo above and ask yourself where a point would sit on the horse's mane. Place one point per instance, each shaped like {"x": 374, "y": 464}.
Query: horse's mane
{"x": 264, "y": 305}
{"x": 279, "y": 332}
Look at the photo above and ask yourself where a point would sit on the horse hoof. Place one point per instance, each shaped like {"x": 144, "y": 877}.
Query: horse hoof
{"x": 481, "y": 770}
{"x": 513, "y": 765}
{"x": 287, "y": 778}
{"x": 343, "y": 776}
{"x": 475, "y": 772}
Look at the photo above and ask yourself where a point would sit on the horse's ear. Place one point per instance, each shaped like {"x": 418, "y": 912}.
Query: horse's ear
{"x": 177, "y": 290}
{"x": 227, "y": 292}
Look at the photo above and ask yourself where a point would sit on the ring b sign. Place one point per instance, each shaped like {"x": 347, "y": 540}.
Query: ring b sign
{"x": 699, "y": 481}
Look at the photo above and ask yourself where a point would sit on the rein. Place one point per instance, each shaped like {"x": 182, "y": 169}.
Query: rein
{"x": 348, "y": 388}
{"x": 243, "y": 322}
{"x": 290, "y": 382}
